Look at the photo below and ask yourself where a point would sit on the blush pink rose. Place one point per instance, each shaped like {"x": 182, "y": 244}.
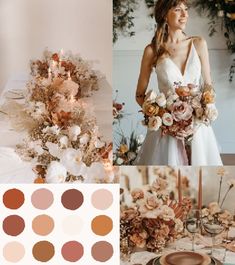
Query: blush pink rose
{"x": 181, "y": 111}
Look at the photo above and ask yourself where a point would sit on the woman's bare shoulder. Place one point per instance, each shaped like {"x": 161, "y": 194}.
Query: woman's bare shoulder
{"x": 200, "y": 44}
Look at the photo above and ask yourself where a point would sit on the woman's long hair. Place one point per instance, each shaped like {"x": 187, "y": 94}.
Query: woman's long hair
{"x": 160, "y": 12}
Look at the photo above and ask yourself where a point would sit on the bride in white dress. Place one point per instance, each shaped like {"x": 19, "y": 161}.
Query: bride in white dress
{"x": 176, "y": 58}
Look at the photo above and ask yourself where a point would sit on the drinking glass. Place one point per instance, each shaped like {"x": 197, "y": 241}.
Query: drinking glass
{"x": 193, "y": 224}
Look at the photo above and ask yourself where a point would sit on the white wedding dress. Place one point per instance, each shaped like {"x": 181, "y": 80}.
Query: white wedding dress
{"x": 167, "y": 150}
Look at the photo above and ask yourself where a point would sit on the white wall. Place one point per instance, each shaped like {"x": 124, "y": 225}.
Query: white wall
{"x": 126, "y": 61}
{"x": 28, "y": 26}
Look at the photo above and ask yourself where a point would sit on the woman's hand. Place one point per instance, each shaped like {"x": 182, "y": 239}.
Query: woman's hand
{"x": 145, "y": 71}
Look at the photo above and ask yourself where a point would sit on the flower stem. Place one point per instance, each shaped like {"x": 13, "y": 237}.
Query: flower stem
{"x": 220, "y": 185}
{"x": 226, "y": 194}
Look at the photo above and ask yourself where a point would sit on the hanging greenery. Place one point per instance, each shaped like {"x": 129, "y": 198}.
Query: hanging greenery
{"x": 123, "y": 18}
{"x": 220, "y": 12}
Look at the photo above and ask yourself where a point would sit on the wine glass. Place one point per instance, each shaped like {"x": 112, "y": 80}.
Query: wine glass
{"x": 213, "y": 227}
{"x": 193, "y": 224}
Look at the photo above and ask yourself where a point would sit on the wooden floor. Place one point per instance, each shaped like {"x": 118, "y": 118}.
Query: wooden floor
{"x": 228, "y": 159}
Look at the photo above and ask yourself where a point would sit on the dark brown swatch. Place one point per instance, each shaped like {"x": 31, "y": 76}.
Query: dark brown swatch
{"x": 102, "y": 251}
{"x": 102, "y": 225}
{"x": 13, "y": 225}
{"x": 72, "y": 251}
{"x": 72, "y": 199}
{"x": 43, "y": 251}
{"x": 13, "y": 199}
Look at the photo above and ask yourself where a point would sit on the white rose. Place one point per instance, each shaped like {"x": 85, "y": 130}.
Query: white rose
{"x": 211, "y": 113}
{"x": 196, "y": 103}
{"x": 74, "y": 131}
{"x": 84, "y": 139}
{"x": 64, "y": 141}
{"x": 161, "y": 100}
{"x": 167, "y": 119}
{"x": 56, "y": 173}
{"x": 154, "y": 123}
{"x": 120, "y": 161}
{"x": 99, "y": 144}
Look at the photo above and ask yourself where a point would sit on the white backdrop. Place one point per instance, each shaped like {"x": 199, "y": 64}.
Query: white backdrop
{"x": 28, "y": 26}
{"x": 127, "y": 58}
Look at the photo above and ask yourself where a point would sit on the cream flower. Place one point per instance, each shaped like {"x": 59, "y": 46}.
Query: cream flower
{"x": 97, "y": 173}
{"x": 154, "y": 123}
{"x": 72, "y": 160}
{"x": 74, "y": 131}
{"x": 214, "y": 208}
{"x": 56, "y": 173}
{"x": 84, "y": 139}
{"x": 64, "y": 141}
{"x": 54, "y": 149}
{"x": 166, "y": 213}
{"x": 161, "y": 100}
{"x": 211, "y": 113}
{"x": 68, "y": 88}
{"x": 179, "y": 226}
{"x": 52, "y": 130}
{"x": 99, "y": 144}
{"x": 167, "y": 119}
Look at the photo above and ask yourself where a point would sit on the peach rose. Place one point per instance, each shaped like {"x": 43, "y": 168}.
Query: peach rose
{"x": 149, "y": 109}
{"x": 182, "y": 91}
{"x": 208, "y": 97}
{"x": 154, "y": 123}
{"x": 137, "y": 194}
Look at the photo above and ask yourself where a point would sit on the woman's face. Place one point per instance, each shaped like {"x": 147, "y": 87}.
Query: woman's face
{"x": 177, "y": 17}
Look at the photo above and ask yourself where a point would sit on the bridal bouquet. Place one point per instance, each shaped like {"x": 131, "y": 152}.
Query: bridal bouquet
{"x": 152, "y": 220}
{"x": 63, "y": 139}
{"x": 177, "y": 112}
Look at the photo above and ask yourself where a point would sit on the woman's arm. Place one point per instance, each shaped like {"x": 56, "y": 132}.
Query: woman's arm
{"x": 202, "y": 50}
{"x": 145, "y": 71}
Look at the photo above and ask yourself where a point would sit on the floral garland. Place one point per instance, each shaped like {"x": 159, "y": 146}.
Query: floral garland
{"x": 63, "y": 141}
{"x": 123, "y": 18}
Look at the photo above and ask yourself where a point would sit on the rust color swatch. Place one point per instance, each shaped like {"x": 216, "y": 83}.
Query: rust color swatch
{"x": 43, "y": 251}
{"x": 13, "y": 199}
{"x": 72, "y": 199}
{"x": 102, "y": 225}
{"x": 13, "y": 225}
{"x": 102, "y": 251}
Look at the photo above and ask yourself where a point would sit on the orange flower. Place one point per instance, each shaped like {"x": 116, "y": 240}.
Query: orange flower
{"x": 123, "y": 148}
{"x": 208, "y": 97}
{"x": 182, "y": 91}
{"x": 61, "y": 118}
{"x": 150, "y": 110}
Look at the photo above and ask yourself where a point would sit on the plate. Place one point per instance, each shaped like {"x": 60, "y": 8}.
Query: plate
{"x": 156, "y": 261}
{"x": 185, "y": 258}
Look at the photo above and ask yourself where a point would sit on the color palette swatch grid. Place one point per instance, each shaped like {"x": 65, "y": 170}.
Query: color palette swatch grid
{"x": 59, "y": 224}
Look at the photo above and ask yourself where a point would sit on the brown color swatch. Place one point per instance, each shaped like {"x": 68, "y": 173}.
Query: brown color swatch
{"x": 43, "y": 251}
{"x": 13, "y": 199}
{"x": 102, "y": 251}
{"x": 72, "y": 199}
{"x": 72, "y": 251}
{"x": 13, "y": 225}
{"x": 102, "y": 225}
{"x": 43, "y": 225}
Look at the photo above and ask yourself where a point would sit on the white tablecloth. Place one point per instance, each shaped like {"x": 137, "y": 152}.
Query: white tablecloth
{"x": 143, "y": 257}
{"x": 12, "y": 168}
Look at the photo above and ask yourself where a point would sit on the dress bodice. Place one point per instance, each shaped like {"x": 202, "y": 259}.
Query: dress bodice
{"x": 168, "y": 72}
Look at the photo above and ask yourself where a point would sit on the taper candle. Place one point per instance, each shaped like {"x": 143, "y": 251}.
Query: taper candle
{"x": 200, "y": 190}
{"x": 179, "y": 187}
